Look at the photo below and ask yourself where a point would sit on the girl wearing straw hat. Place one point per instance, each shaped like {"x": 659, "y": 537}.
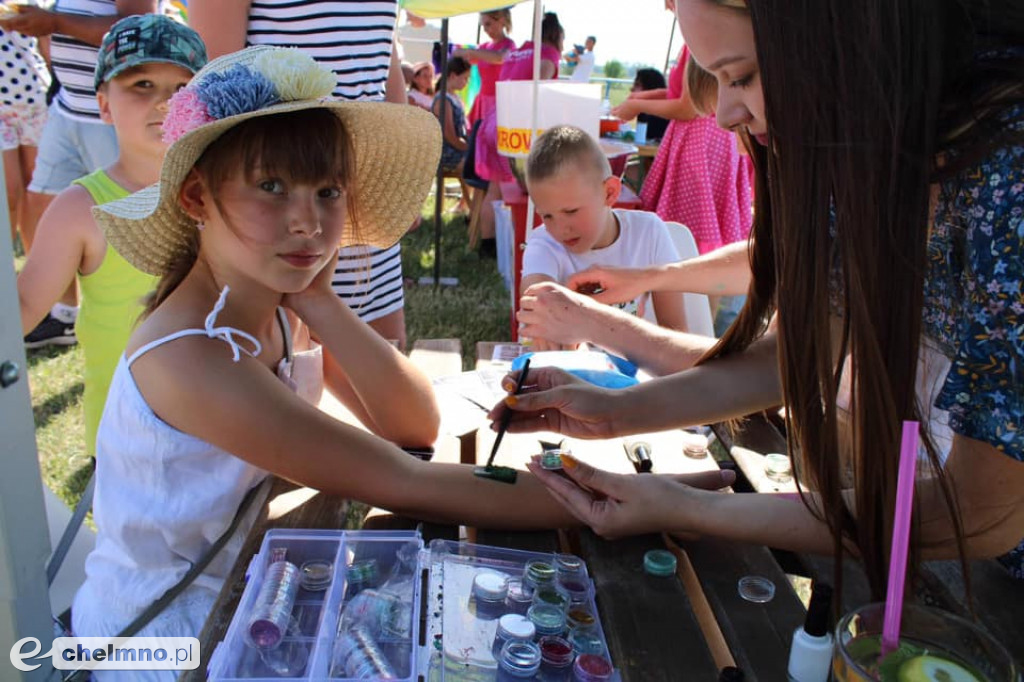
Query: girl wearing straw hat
{"x": 265, "y": 176}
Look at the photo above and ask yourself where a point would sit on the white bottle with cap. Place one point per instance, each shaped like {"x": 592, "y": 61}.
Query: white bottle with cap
{"x": 810, "y": 655}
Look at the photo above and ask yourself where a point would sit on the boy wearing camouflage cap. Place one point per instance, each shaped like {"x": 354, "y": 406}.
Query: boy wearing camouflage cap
{"x": 142, "y": 61}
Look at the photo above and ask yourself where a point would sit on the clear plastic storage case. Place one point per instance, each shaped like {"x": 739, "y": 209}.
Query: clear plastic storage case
{"x": 377, "y": 605}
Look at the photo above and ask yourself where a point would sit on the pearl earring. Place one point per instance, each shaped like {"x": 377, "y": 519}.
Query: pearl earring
{"x": 200, "y": 225}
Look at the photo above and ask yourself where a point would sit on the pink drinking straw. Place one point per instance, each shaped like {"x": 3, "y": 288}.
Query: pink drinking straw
{"x": 900, "y": 538}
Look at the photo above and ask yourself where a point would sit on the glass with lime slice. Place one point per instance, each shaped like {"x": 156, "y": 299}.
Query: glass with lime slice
{"x": 935, "y": 646}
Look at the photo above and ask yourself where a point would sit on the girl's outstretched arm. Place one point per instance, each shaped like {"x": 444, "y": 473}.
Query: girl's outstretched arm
{"x": 67, "y": 243}
{"x": 247, "y": 411}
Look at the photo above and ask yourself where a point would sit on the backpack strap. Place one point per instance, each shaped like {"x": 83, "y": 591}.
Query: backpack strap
{"x": 71, "y": 530}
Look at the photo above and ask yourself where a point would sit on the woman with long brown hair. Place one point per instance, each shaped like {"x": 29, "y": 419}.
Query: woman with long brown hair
{"x": 889, "y": 148}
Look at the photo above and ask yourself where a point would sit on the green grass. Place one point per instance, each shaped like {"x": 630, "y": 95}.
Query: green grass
{"x": 476, "y": 310}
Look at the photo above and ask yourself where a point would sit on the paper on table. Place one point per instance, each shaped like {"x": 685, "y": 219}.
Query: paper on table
{"x": 466, "y": 398}
{"x": 505, "y": 353}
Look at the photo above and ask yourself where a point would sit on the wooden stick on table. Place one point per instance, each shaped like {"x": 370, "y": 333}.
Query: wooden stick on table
{"x": 713, "y": 636}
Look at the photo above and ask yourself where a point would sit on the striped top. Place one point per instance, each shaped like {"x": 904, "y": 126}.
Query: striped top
{"x": 356, "y": 47}
{"x": 352, "y": 38}
{"x": 74, "y": 62}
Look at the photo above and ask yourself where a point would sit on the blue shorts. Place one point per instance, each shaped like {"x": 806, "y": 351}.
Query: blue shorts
{"x": 70, "y": 148}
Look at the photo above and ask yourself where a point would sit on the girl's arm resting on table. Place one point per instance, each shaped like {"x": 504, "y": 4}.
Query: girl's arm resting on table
{"x": 247, "y": 411}
{"x": 373, "y": 379}
{"x": 547, "y": 70}
{"x": 222, "y": 24}
{"x": 67, "y": 242}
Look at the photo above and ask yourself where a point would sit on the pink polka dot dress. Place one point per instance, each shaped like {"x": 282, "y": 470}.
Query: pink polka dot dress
{"x": 698, "y": 177}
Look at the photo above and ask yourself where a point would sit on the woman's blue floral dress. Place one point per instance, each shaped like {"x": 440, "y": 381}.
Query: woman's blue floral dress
{"x": 974, "y": 303}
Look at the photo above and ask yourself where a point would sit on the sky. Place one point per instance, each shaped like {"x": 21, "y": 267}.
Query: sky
{"x": 634, "y": 31}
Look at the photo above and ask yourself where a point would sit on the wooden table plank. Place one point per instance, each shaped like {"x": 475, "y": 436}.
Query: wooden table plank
{"x": 758, "y": 635}
{"x": 437, "y": 357}
{"x": 655, "y": 635}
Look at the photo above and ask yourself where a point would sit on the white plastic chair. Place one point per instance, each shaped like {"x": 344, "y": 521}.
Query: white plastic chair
{"x": 696, "y": 306}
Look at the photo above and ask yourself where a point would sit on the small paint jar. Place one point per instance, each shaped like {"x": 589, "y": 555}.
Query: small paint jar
{"x": 696, "y": 446}
{"x": 518, "y": 660}
{"x": 537, "y": 572}
{"x": 552, "y": 594}
{"x": 360, "y": 575}
{"x": 580, "y": 616}
{"x": 512, "y": 626}
{"x": 778, "y": 468}
{"x": 660, "y": 562}
{"x": 592, "y": 668}
{"x": 316, "y": 575}
{"x": 547, "y": 619}
{"x": 572, "y": 578}
{"x": 381, "y": 613}
{"x": 585, "y": 640}
{"x": 489, "y": 591}
{"x": 272, "y": 613}
{"x": 556, "y": 657}
{"x": 552, "y": 459}
{"x": 357, "y": 655}
{"x": 519, "y": 598}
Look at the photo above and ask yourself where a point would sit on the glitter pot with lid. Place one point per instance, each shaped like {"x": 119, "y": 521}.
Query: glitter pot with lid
{"x": 512, "y": 626}
{"x": 518, "y": 660}
{"x": 519, "y": 598}
{"x": 592, "y": 668}
{"x": 556, "y": 658}
{"x": 490, "y": 589}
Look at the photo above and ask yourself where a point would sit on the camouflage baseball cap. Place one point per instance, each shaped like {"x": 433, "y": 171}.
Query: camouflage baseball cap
{"x": 147, "y": 38}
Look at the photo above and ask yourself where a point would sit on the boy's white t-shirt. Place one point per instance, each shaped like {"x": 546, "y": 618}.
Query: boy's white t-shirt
{"x": 643, "y": 241}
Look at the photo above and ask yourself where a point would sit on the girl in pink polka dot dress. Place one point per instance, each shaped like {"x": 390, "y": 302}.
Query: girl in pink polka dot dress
{"x": 698, "y": 178}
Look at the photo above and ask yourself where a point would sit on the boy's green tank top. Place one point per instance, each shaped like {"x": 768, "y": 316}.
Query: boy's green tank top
{"x": 111, "y": 304}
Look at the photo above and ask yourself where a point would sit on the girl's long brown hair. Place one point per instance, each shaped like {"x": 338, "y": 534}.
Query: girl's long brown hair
{"x": 311, "y": 145}
{"x": 868, "y": 103}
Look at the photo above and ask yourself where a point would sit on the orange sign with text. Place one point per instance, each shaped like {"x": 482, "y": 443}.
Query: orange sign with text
{"x": 514, "y": 141}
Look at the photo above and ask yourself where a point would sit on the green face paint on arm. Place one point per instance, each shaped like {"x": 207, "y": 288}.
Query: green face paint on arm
{"x": 500, "y": 474}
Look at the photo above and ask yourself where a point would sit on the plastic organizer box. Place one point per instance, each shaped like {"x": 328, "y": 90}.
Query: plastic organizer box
{"x": 378, "y": 605}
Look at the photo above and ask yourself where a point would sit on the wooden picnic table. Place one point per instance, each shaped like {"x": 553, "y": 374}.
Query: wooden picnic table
{"x": 683, "y": 627}
{"x": 688, "y": 625}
